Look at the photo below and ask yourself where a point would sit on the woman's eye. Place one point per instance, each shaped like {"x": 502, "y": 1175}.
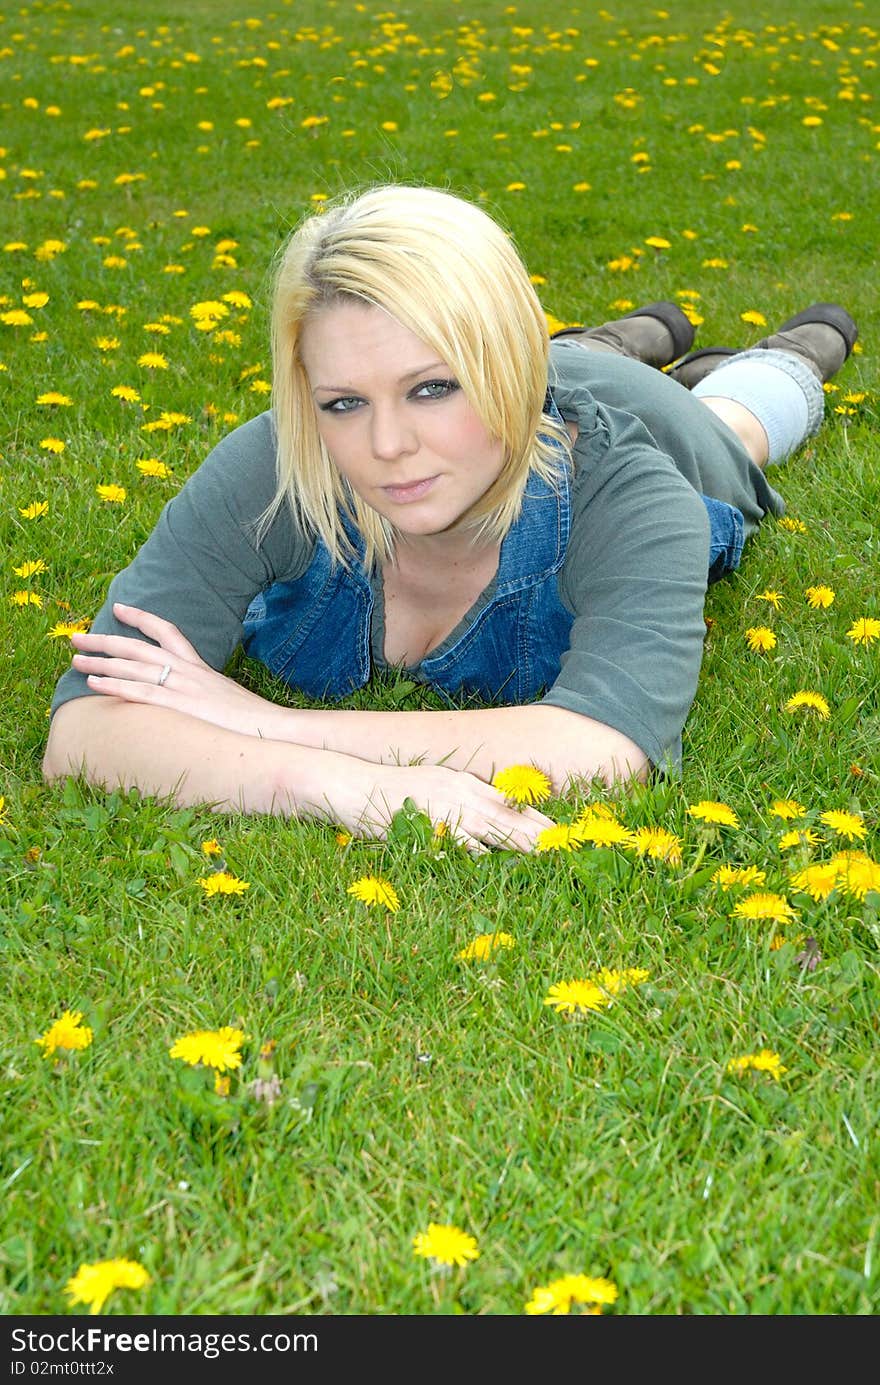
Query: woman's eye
{"x": 343, "y": 405}
{"x": 435, "y": 389}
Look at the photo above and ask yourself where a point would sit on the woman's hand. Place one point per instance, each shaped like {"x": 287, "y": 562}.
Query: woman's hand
{"x": 365, "y": 797}
{"x": 170, "y": 674}
{"x": 356, "y": 793}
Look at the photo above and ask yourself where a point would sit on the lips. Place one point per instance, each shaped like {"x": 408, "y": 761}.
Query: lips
{"x": 403, "y": 495}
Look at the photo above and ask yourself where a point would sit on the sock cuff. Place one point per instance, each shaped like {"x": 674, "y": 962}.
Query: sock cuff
{"x": 799, "y": 371}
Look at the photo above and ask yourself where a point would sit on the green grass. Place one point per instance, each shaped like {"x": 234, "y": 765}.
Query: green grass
{"x": 415, "y": 1087}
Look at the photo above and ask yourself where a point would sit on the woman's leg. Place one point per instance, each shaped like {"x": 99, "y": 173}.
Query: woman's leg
{"x": 771, "y": 395}
{"x": 657, "y": 333}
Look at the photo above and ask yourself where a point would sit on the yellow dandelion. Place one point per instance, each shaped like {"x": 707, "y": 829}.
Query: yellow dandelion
{"x": 770, "y": 595}
{"x": 813, "y": 701}
{"x": 69, "y": 1033}
{"x": 760, "y": 638}
{"x": 657, "y": 843}
{"x": 708, "y": 810}
{"x": 849, "y": 825}
{"x": 857, "y": 873}
{"x": 16, "y": 317}
{"x": 112, "y": 494}
{"x": 36, "y": 510}
{"x": 445, "y": 1245}
{"x": 213, "y": 1048}
{"x": 614, "y": 981}
{"x": 787, "y": 808}
{"x": 558, "y": 1296}
{"x": 792, "y": 525}
{"x": 482, "y": 947}
{"x": 374, "y": 890}
{"x": 26, "y": 598}
{"x": 523, "y": 784}
{"x": 818, "y": 881}
{"x": 562, "y": 836}
{"x": 237, "y": 298}
{"x": 126, "y": 393}
{"x": 516, "y": 187}
{"x": 151, "y": 466}
{"x": 65, "y": 628}
{"x": 153, "y": 360}
{"x": 52, "y": 397}
{"x": 753, "y": 316}
{"x": 764, "y": 905}
{"x": 211, "y": 847}
{"x": 765, "y": 1061}
{"x": 798, "y": 836}
{"x": 726, "y": 876}
{"x": 92, "y": 1284}
{"x": 56, "y": 445}
{"x": 223, "y": 882}
{"x": 601, "y": 831}
{"x": 576, "y": 997}
{"x": 658, "y": 242}
{"x": 864, "y": 630}
{"x": 33, "y": 568}
{"x": 819, "y": 597}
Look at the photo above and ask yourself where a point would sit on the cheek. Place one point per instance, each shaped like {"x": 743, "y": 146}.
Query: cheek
{"x": 468, "y": 438}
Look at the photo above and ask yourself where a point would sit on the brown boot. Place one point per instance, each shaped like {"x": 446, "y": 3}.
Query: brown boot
{"x": 656, "y": 334}
{"x": 823, "y": 336}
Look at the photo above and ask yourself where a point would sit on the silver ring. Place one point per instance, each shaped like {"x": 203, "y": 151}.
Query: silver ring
{"x": 163, "y": 676}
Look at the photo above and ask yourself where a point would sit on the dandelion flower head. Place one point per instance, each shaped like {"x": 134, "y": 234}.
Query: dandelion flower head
{"x": 558, "y": 1296}
{"x": 864, "y": 631}
{"x": 709, "y": 810}
{"x": 813, "y": 701}
{"x": 765, "y": 1061}
{"x": 215, "y": 1048}
{"x": 483, "y": 945}
{"x": 657, "y": 843}
{"x": 760, "y": 638}
{"x": 764, "y": 905}
{"x": 849, "y": 825}
{"x": 223, "y": 882}
{"x": 725, "y": 876}
{"x": 820, "y": 597}
{"x": 523, "y": 784}
{"x": 446, "y": 1245}
{"x": 92, "y": 1284}
{"x": 68, "y": 1033}
{"x": 374, "y": 890}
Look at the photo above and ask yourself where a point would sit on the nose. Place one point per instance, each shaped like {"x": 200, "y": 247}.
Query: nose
{"x": 391, "y": 433}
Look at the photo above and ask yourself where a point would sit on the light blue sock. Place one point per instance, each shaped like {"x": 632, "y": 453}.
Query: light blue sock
{"x": 777, "y": 387}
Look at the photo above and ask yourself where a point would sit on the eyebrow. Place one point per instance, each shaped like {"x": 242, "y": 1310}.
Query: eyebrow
{"x": 410, "y": 375}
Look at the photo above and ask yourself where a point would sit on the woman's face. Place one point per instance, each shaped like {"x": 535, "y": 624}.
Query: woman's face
{"x": 394, "y": 419}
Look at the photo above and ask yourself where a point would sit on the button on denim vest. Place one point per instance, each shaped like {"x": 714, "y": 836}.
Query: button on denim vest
{"x": 315, "y": 632}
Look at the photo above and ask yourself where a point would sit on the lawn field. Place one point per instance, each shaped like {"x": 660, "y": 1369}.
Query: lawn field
{"x": 634, "y": 1073}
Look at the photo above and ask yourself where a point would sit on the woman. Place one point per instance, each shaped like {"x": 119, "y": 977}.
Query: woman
{"x": 523, "y": 524}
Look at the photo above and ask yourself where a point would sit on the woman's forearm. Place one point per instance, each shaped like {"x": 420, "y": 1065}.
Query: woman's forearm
{"x": 170, "y": 754}
{"x": 566, "y": 745}
{"x": 166, "y": 753}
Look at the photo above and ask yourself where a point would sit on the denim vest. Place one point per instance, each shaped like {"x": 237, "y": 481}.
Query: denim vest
{"x": 315, "y": 632}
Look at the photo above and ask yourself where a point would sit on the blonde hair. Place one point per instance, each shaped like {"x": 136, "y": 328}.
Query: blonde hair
{"x": 448, "y": 272}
